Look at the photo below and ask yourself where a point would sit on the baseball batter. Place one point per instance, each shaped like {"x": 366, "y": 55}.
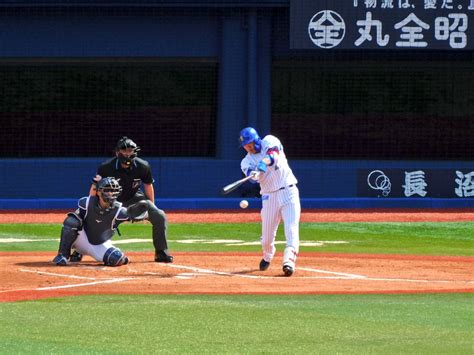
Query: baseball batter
{"x": 90, "y": 228}
{"x": 280, "y": 196}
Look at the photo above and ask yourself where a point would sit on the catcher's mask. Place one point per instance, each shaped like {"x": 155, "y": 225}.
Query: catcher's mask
{"x": 248, "y": 135}
{"x": 126, "y": 143}
{"x": 109, "y": 189}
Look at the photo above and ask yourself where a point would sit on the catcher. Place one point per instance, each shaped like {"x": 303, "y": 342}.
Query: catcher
{"x": 90, "y": 228}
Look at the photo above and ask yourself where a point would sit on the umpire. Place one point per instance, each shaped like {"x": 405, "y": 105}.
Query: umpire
{"x": 132, "y": 172}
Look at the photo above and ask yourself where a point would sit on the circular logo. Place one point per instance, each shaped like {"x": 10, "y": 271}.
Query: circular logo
{"x": 326, "y": 29}
{"x": 377, "y": 180}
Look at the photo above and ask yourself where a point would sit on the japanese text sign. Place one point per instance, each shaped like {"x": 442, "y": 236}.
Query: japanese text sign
{"x": 382, "y": 24}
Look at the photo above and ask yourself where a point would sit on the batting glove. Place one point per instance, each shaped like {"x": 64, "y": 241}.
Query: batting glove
{"x": 262, "y": 167}
{"x": 255, "y": 176}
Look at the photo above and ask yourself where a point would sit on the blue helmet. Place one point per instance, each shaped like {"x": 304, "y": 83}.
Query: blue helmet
{"x": 248, "y": 135}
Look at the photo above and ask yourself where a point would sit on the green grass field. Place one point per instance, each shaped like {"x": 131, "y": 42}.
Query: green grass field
{"x": 316, "y": 324}
{"x": 379, "y": 238}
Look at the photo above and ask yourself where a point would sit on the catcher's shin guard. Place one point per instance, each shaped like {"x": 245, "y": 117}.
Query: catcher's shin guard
{"x": 115, "y": 257}
{"x": 60, "y": 260}
{"x": 69, "y": 233}
{"x": 75, "y": 257}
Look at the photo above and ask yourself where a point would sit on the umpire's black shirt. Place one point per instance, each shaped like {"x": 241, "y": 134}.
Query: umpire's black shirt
{"x": 129, "y": 178}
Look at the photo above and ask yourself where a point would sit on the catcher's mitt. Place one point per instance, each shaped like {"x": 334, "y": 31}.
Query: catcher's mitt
{"x": 138, "y": 211}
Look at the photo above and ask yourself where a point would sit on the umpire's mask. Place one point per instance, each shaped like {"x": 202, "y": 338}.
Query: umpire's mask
{"x": 126, "y": 150}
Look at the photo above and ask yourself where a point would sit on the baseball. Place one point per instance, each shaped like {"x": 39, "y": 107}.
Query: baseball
{"x": 244, "y": 204}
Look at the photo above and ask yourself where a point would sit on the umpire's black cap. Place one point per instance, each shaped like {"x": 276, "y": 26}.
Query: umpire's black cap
{"x": 125, "y": 143}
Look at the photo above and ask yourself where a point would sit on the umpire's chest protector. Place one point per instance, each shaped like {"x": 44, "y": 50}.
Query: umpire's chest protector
{"x": 129, "y": 178}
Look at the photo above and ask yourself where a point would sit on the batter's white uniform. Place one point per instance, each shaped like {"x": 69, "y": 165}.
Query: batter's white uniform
{"x": 280, "y": 199}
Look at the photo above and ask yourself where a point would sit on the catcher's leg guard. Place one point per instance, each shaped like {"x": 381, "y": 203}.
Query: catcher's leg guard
{"x": 115, "y": 257}
{"x": 69, "y": 231}
{"x": 75, "y": 257}
{"x": 60, "y": 260}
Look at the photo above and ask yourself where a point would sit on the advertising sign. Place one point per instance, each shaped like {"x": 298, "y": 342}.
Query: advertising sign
{"x": 382, "y": 24}
{"x": 440, "y": 183}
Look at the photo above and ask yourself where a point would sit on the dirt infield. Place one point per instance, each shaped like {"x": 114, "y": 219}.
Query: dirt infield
{"x": 27, "y": 276}
{"x": 242, "y": 216}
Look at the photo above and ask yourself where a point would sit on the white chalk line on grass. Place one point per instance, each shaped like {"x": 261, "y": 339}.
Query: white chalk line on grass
{"x": 26, "y": 240}
{"x": 225, "y": 242}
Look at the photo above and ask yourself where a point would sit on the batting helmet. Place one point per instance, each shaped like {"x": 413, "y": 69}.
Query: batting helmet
{"x": 248, "y": 135}
{"x": 126, "y": 143}
{"x": 109, "y": 189}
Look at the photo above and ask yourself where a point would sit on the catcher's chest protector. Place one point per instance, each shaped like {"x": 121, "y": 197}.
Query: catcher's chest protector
{"x": 98, "y": 223}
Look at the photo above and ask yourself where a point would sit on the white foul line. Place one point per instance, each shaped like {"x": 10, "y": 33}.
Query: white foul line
{"x": 350, "y": 276}
{"x": 205, "y": 271}
{"x": 85, "y": 284}
{"x": 354, "y": 277}
{"x": 338, "y": 275}
{"x": 196, "y": 271}
{"x": 106, "y": 281}
{"x": 59, "y": 275}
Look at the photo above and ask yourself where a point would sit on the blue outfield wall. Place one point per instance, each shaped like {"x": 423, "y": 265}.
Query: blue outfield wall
{"x": 242, "y": 36}
{"x": 184, "y": 183}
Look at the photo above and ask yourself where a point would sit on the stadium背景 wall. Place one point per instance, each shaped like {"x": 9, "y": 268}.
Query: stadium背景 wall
{"x": 183, "y": 80}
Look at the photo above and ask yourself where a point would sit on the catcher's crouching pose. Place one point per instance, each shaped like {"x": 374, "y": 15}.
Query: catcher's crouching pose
{"x": 90, "y": 228}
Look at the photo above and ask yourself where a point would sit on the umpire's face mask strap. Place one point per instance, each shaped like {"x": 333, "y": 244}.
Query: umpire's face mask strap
{"x": 126, "y": 160}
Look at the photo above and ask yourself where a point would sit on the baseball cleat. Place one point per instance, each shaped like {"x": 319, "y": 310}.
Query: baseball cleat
{"x": 60, "y": 260}
{"x": 264, "y": 265}
{"x": 288, "y": 270}
{"x": 162, "y": 256}
{"x": 75, "y": 257}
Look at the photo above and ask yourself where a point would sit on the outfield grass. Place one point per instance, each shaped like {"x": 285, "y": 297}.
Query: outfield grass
{"x": 379, "y": 238}
{"x": 430, "y": 323}
{"x": 257, "y": 324}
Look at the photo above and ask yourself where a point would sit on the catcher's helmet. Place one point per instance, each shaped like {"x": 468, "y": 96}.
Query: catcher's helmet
{"x": 109, "y": 189}
{"x": 248, "y": 135}
{"x": 126, "y": 143}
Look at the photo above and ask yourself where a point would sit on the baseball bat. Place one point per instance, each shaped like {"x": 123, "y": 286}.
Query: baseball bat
{"x": 232, "y": 186}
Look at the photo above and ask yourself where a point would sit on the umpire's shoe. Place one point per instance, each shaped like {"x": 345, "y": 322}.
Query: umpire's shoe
{"x": 60, "y": 260}
{"x": 288, "y": 270}
{"x": 264, "y": 265}
{"x": 162, "y": 256}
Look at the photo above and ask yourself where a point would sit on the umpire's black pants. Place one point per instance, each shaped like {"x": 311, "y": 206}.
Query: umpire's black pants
{"x": 157, "y": 218}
